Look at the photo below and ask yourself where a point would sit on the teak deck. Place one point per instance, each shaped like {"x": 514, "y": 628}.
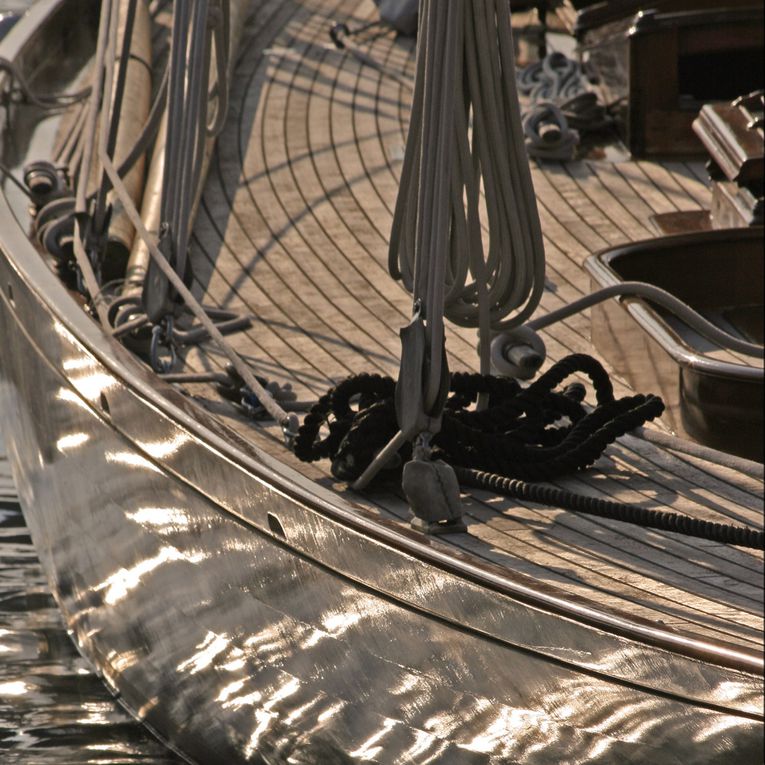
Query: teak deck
{"x": 293, "y": 229}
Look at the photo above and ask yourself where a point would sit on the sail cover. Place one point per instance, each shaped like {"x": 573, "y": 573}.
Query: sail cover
{"x": 400, "y": 14}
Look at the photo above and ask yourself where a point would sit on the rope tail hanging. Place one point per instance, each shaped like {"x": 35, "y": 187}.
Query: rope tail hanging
{"x": 476, "y": 112}
{"x": 465, "y": 135}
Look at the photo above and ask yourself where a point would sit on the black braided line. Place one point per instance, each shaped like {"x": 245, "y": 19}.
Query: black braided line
{"x": 538, "y": 412}
{"x": 307, "y": 446}
{"x": 580, "y": 447}
{"x": 514, "y": 432}
{"x": 726, "y": 533}
{"x": 333, "y": 409}
{"x": 495, "y": 419}
{"x": 498, "y": 388}
{"x": 371, "y": 430}
{"x": 371, "y": 388}
{"x": 577, "y": 362}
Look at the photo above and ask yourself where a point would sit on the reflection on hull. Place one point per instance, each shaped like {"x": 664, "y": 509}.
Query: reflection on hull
{"x": 235, "y": 647}
{"x": 53, "y": 708}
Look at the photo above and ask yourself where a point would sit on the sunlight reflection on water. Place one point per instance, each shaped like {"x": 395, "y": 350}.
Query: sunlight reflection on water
{"x": 53, "y": 709}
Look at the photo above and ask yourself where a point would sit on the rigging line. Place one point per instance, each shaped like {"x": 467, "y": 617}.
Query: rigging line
{"x": 289, "y": 422}
{"x": 190, "y": 54}
{"x": 220, "y": 16}
{"x": 433, "y": 203}
{"x": 75, "y": 160}
{"x": 42, "y": 101}
{"x": 180, "y": 124}
{"x": 674, "y": 443}
{"x": 192, "y": 140}
{"x": 198, "y": 107}
{"x": 80, "y": 207}
{"x": 113, "y": 103}
{"x": 175, "y": 96}
{"x": 148, "y": 133}
{"x": 665, "y": 299}
{"x": 107, "y": 127}
{"x": 65, "y": 151}
{"x": 93, "y": 108}
{"x": 11, "y": 177}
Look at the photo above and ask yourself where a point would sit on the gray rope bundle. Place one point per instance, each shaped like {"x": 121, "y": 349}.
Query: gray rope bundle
{"x": 555, "y": 77}
{"x": 547, "y": 131}
{"x": 466, "y": 79}
{"x": 562, "y": 107}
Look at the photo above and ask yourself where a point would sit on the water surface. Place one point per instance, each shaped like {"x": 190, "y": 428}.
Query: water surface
{"x": 53, "y": 708}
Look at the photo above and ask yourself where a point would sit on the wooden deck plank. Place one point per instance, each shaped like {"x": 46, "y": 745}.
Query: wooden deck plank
{"x": 661, "y": 176}
{"x": 693, "y": 178}
{"x": 616, "y": 209}
{"x": 642, "y": 185}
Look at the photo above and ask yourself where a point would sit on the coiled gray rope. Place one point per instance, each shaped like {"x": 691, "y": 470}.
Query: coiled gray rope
{"x": 561, "y": 107}
{"x": 555, "y": 77}
{"x": 500, "y": 287}
{"x": 584, "y": 112}
{"x": 547, "y": 132}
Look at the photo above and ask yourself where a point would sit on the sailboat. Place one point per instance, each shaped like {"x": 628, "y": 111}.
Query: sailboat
{"x": 195, "y": 231}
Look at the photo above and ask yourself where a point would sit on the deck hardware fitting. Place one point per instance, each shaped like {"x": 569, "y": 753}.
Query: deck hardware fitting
{"x": 275, "y": 525}
{"x": 518, "y": 353}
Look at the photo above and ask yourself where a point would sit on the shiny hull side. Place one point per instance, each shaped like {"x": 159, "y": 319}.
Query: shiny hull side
{"x": 233, "y": 643}
{"x": 249, "y": 615}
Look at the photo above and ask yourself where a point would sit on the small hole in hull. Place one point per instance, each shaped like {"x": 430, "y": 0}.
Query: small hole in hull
{"x": 11, "y": 299}
{"x": 104, "y": 403}
{"x": 275, "y": 525}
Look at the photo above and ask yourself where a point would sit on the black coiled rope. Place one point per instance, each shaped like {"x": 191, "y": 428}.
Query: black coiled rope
{"x": 538, "y": 433}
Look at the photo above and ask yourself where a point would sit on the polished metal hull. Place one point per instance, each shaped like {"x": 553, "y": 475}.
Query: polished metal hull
{"x": 249, "y": 615}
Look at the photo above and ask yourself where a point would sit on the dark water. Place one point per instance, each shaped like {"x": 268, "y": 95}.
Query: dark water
{"x": 53, "y": 709}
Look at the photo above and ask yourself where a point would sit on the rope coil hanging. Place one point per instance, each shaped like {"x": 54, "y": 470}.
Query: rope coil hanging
{"x": 465, "y": 136}
{"x": 466, "y": 103}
